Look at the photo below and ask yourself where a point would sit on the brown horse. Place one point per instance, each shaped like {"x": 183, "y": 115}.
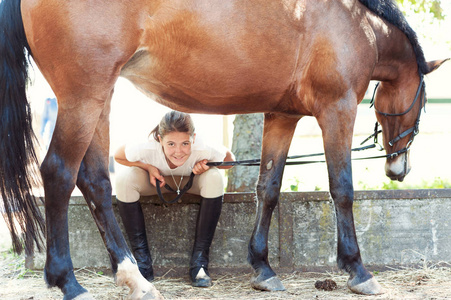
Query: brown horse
{"x": 285, "y": 58}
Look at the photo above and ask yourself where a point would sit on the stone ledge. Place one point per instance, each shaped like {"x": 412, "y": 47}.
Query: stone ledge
{"x": 399, "y": 227}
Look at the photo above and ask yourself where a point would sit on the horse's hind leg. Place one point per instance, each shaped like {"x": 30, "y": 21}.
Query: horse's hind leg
{"x": 277, "y": 134}
{"x": 72, "y": 135}
{"x": 337, "y": 122}
{"x": 94, "y": 182}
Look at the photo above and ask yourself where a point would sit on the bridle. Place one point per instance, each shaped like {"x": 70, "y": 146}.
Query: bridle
{"x": 413, "y": 131}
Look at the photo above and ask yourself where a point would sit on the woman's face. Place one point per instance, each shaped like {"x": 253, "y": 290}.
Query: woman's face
{"x": 176, "y": 147}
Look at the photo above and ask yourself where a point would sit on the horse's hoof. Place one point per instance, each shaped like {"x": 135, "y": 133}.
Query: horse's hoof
{"x": 84, "y": 296}
{"x": 272, "y": 284}
{"x": 145, "y": 292}
{"x": 146, "y": 296}
{"x": 152, "y": 297}
{"x": 369, "y": 287}
{"x": 152, "y": 294}
{"x": 201, "y": 280}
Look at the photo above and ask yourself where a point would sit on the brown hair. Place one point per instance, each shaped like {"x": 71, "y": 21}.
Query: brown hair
{"x": 173, "y": 121}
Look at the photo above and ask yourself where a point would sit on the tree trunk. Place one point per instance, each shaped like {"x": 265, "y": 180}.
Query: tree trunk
{"x": 246, "y": 144}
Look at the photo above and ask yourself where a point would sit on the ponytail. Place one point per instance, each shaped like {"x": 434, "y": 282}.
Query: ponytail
{"x": 155, "y": 133}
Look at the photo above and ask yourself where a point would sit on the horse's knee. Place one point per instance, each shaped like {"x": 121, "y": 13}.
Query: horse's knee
{"x": 54, "y": 173}
{"x": 49, "y": 166}
{"x": 93, "y": 180}
{"x": 268, "y": 191}
{"x": 343, "y": 196}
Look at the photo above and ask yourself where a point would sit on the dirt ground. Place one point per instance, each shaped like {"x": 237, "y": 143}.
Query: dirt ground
{"x": 424, "y": 283}
{"x": 428, "y": 282}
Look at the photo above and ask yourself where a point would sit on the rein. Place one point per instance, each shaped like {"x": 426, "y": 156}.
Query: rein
{"x": 413, "y": 131}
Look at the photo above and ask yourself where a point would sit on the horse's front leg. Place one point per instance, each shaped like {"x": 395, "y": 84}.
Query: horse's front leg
{"x": 337, "y": 124}
{"x": 277, "y": 134}
{"x": 94, "y": 182}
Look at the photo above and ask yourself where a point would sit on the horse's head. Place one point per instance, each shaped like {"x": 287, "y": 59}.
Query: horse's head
{"x": 398, "y": 106}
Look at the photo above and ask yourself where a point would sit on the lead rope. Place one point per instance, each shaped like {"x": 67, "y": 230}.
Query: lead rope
{"x": 250, "y": 162}
{"x": 256, "y": 162}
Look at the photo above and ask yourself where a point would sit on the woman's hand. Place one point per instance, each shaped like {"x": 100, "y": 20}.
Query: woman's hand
{"x": 154, "y": 174}
{"x": 200, "y": 167}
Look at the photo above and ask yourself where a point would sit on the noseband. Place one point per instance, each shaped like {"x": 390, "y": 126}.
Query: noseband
{"x": 413, "y": 131}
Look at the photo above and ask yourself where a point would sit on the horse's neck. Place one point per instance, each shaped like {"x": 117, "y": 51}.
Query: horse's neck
{"x": 395, "y": 53}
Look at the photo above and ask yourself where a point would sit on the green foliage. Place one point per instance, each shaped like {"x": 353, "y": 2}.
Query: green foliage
{"x": 424, "y": 7}
{"x": 391, "y": 185}
{"x": 16, "y": 264}
{"x": 24, "y": 272}
{"x": 295, "y": 187}
{"x": 437, "y": 183}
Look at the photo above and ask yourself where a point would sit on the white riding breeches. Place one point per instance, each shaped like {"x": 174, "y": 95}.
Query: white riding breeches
{"x": 134, "y": 182}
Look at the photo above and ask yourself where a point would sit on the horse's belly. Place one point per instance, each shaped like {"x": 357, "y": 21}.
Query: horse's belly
{"x": 188, "y": 57}
{"x": 201, "y": 87}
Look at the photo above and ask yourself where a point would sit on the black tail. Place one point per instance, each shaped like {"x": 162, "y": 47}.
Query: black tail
{"x": 18, "y": 160}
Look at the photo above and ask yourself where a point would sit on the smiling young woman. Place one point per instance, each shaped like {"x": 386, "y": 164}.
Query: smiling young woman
{"x": 170, "y": 156}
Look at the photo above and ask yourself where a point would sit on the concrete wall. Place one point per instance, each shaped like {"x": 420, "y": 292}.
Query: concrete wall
{"x": 400, "y": 227}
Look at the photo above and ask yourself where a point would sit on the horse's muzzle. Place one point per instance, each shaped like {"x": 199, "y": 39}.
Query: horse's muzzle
{"x": 398, "y": 167}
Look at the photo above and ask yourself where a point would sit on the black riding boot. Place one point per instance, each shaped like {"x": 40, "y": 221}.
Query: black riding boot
{"x": 133, "y": 220}
{"x": 207, "y": 219}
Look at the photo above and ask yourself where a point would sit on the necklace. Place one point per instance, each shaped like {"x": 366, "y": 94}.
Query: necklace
{"x": 177, "y": 185}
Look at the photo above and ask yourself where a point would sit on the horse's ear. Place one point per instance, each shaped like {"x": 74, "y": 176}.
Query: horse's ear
{"x": 435, "y": 64}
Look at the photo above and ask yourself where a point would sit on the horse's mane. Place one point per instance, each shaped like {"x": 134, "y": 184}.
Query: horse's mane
{"x": 389, "y": 11}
